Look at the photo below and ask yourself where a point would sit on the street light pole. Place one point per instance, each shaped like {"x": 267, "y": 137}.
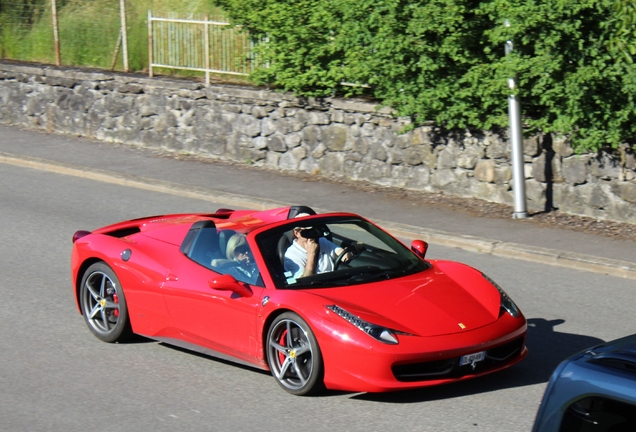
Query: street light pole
{"x": 516, "y": 141}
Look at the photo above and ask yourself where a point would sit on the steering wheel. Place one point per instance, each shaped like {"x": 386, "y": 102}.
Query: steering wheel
{"x": 355, "y": 249}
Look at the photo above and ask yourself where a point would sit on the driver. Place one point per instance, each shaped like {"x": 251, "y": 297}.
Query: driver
{"x": 310, "y": 253}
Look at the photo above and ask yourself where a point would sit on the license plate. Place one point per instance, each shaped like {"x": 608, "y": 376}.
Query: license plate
{"x": 472, "y": 358}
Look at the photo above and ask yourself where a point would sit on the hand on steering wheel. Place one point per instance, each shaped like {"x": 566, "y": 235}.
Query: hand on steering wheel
{"x": 351, "y": 252}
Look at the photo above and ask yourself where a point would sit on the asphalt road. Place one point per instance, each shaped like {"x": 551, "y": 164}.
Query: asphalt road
{"x": 55, "y": 376}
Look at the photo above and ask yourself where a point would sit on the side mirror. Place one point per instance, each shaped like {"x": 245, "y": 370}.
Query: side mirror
{"x": 228, "y": 283}
{"x": 419, "y": 248}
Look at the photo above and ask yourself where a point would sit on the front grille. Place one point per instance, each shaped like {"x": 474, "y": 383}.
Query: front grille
{"x": 449, "y": 368}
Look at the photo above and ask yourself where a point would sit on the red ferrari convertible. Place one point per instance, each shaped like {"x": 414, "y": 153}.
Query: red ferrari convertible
{"x": 320, "y": 300}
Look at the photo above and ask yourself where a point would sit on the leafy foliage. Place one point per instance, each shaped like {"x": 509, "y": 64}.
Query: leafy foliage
{"x": 443, "y": 60}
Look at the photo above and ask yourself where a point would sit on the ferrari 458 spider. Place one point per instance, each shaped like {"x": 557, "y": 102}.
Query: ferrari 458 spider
{"x": 370, "y": 315}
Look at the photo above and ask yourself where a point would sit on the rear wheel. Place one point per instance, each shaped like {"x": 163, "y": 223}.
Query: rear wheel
{"x": 294, "y": 356}
{"x": 104, "y": 305}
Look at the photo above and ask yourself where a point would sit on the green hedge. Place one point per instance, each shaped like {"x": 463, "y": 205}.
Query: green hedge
{"x": 443, "y": 60}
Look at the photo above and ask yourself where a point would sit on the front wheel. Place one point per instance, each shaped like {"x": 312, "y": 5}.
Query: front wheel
{"x": 294, "y": 356}
{"x": 104, "y": 305}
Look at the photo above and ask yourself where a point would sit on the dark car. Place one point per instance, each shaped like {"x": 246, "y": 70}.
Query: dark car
{"x": 594, "y": 390}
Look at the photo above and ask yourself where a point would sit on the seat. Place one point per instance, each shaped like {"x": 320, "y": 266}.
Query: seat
{"x": 295, "y": 210}
{"x": 205, "y": 247}
{"x": 284, "y": 243}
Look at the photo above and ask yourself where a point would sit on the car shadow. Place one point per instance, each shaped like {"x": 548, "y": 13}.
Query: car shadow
{"x": 547, "y": 348}
{"x": 136, "y": 339}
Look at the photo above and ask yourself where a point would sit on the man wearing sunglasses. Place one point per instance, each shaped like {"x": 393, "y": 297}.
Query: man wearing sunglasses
{"x": 310, "y": 252}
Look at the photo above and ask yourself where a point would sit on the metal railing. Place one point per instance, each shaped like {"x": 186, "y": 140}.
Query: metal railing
{"x": 198, "y": 44}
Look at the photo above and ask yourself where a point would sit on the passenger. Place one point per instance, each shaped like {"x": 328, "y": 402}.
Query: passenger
{"x": 240, "y": 262}
{"x": 310, "y": 253}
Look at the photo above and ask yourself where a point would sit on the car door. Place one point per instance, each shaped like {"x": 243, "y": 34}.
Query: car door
{"x": 220, "y": 320}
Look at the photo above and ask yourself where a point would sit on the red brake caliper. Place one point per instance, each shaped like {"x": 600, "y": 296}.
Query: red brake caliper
{"x": 116, "y": 301}
{"x": 282, "y": 340}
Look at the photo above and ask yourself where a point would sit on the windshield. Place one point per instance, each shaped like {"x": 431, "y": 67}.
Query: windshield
{"x": 346, "y": 251}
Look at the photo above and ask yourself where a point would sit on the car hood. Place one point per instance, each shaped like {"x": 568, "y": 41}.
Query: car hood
{"x": 447, "y": 298}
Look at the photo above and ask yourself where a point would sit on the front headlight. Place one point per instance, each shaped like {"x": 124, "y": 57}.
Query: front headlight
{"x": 507, "y": 305}
{"x": 377, "y": 332}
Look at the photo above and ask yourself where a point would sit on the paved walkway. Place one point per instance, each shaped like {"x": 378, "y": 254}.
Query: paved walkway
{"x": 237, "y": 186}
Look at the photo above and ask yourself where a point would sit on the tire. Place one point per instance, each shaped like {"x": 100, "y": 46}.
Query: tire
{"x": 294, "y": 356}
{"x": 103, "y": 304}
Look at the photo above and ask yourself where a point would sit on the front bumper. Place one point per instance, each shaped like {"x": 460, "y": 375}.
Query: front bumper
{"x": 363, "y": 364}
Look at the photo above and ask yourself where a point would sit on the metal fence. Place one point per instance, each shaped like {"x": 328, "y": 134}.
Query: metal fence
{"x": 198, "y": 44}
{"x": 124, "y": 35}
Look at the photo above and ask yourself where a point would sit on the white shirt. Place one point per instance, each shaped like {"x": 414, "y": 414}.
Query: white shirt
{"x": 296, "y": 257}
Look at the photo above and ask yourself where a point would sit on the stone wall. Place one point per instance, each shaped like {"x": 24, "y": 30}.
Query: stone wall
{"x": 328, "y": 137}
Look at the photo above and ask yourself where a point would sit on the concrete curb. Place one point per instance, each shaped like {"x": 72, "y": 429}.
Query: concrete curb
{"x": 498, "y": 248}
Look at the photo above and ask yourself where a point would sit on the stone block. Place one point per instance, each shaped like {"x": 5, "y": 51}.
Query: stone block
{"x": 483, "y": 190}
{"x": 276, "y": 143}
{"x": 535, "y": 191}
{"x": 249, "y": 126}
{"x": 532, "y": 146}
{"x": 378, "y": 152}
{"x": 360, "y": 145}
{"x": 562, "y": 146}
{"x": 272, "y": 159}
{"x": 527, "y": 170}
{"x": 268, "y": 126}
{"x": 337, "y": 116}
{"x": 503, "y": 174}
{"x": 605, "y": 167}
{"x": 485, "y": 171}
{"x": 319, "y": 151}
{"x": 260, "y": 143}
{"x": 544, "y": 173}
{"x": 575, "y": 170}
{"x": 312, "y": 135}
{"x": 258, "y": 112}
{"x": 368, "y": 130}
{"x": 418, "y": 177}
{"x": 446, "y": 158}
{"x": 335, "y": 137}
{"x": 23, "y": 69}
{"x": 290, "y": 160}
{"x": 34, "y": 106}
{"x": 318, "y": 118}
{"x": 130, "y": 88}
{"x": 498, "y": 150}
{"x": 599, "y": 198}
{"x": 442, "y": 178}
{"x": 412, "y": 157}
{"x": 626, "y": 190}
{"x": 420, "y": 135}
{"x": 61, "y": 82}
{"x": 293, "y": 140}
{"x": 468, "y": 158}
{"x": 401, "y": 142}
{"x": 165, "y": 121}
{"x": 332, "y": 164}
{"x": 395, "y": 156}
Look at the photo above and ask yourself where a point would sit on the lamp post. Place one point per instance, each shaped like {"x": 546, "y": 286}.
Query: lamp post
{"x": 516, "y": 141}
